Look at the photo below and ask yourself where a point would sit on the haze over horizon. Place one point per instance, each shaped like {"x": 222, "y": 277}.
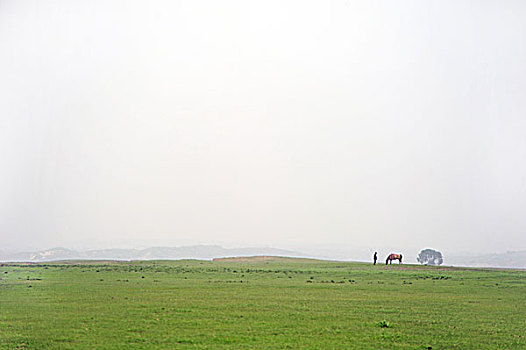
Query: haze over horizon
{"x": 296, "y": 125}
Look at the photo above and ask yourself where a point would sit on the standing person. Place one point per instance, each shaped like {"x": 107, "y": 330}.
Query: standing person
{"x": 375, "y": 257}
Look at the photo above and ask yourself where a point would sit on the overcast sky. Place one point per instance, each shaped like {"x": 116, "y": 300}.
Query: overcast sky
{"x": 391, "y": 125}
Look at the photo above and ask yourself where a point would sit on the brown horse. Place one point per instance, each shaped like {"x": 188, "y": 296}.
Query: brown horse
{"x": 392, "y": 257}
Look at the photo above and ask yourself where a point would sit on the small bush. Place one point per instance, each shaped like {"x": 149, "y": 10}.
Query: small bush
{"x": 384, "y": 324}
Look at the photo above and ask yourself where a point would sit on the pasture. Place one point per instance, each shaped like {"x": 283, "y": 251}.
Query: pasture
{"x": 259, "y": 304}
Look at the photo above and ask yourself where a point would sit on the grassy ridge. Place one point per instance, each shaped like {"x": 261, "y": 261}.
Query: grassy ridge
{"x": 260, "y": 304}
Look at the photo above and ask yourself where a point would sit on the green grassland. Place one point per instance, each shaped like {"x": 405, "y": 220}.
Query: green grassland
{"x": 259, "y": 304}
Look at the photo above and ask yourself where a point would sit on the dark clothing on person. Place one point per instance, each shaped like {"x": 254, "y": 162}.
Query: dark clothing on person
{"x": 375, "y": 257}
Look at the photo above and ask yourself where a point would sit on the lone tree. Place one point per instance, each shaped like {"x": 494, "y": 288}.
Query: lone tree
{"x": 429, "y": 257}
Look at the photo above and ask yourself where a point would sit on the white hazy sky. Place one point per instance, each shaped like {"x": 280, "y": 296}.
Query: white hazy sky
{"x": 390, "y": 125}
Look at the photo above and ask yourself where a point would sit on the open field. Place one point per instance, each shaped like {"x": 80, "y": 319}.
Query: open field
{"x": 259, "y": 304}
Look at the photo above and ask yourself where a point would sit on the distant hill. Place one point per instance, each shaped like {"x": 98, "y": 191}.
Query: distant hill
{"x": 266, "y": 258}
{"x": 515, "y": 259}
{"x": 204, "y": 252}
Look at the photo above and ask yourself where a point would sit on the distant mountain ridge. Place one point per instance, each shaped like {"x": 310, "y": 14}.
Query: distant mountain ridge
{"x": 204, "y": 252}
{"x": 513, "y": 259}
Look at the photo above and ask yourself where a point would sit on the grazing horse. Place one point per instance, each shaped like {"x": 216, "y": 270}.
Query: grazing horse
{"x": 392, "y": 257}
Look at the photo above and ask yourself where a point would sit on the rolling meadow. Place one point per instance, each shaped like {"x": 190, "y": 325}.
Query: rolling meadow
{"x": 259, "y": 303}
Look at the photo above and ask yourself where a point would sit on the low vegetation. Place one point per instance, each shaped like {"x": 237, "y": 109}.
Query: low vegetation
{"x": 259, "y": 304}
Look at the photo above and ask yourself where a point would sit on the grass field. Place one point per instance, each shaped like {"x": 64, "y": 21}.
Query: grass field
{"x": 259, "y": 304}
